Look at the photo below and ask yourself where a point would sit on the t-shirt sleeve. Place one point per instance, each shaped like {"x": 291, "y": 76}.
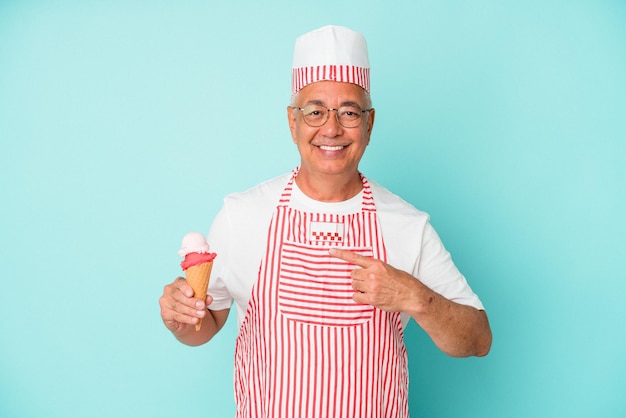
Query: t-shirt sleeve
{"x": 437, "y": 271}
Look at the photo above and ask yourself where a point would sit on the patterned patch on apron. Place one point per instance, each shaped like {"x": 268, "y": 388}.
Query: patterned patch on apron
{"x": 326, "y": 232}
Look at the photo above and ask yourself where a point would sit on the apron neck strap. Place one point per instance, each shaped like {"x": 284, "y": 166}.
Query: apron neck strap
{"x": 367, "y": 203}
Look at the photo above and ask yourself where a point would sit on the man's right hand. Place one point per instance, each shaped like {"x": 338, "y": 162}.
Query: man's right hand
{"x": 180, "y": 312}
{"x": 179, "y": 309}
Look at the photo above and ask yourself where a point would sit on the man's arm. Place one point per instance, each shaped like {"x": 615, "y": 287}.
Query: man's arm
{"x": 180, "y": 312}
{"x": 458, "y": 330}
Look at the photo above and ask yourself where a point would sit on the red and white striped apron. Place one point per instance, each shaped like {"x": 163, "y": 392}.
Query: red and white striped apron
{"x": 305, "y": 348}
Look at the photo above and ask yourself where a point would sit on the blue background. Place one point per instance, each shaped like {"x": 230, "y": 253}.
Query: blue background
{"x": 123, "y": 124}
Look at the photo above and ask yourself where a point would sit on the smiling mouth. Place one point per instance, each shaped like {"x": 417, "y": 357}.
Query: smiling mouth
{"x": 331, "y": 148}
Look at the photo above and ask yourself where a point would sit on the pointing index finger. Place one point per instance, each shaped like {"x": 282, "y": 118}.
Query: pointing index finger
{"x": 350, "y": 256}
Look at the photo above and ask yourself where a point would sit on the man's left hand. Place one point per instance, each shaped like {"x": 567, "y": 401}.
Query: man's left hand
{"x": 379, "y": 284}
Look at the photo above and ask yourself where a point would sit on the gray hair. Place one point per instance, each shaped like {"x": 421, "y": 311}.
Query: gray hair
{"x": 368, "y": 99}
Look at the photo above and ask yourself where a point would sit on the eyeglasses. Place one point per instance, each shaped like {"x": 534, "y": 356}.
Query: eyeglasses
{"x": 347, "y": 116}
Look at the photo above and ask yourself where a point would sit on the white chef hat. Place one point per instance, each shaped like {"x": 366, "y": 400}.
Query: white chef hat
{"x": 333, "y": 53}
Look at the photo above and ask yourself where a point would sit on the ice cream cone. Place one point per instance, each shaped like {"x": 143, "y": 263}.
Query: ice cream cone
{"x": 198, "y": 279}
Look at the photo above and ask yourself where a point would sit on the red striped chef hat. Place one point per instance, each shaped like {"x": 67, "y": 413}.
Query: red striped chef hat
{"x": 333, "y": 53}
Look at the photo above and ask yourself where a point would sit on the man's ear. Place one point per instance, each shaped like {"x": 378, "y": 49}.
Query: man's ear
{"x": 291, "y": 118}
{"x": 370, "y": 124}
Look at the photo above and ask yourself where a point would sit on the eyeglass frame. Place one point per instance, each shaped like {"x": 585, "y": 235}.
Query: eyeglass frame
{"x": 328, "y": 109}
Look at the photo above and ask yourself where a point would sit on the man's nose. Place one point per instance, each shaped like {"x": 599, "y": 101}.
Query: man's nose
{"x": 332, "y": 127}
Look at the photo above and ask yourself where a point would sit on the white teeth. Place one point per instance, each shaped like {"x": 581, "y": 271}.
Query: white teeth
{"x": 329, "y": 148}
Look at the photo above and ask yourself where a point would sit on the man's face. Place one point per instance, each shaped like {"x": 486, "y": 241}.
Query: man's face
{"x": 330, "y": 148}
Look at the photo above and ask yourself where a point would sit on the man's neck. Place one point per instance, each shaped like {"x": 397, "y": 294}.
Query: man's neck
{"x": 329, "y": 188}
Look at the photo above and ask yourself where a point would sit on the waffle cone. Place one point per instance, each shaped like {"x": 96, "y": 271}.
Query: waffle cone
{"x": 198, "y": 279}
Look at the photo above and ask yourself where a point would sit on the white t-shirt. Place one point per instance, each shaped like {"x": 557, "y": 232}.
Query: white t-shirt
{"x": 239, "y": 236}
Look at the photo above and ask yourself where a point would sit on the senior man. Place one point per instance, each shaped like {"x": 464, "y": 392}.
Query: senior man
{"x": 325, "y": 267}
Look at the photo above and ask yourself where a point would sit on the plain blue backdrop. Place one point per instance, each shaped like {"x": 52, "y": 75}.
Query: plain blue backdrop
{"x": 123, "y": 125}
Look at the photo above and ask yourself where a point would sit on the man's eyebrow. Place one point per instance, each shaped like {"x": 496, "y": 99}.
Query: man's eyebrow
{"x": 350, "y": 103}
